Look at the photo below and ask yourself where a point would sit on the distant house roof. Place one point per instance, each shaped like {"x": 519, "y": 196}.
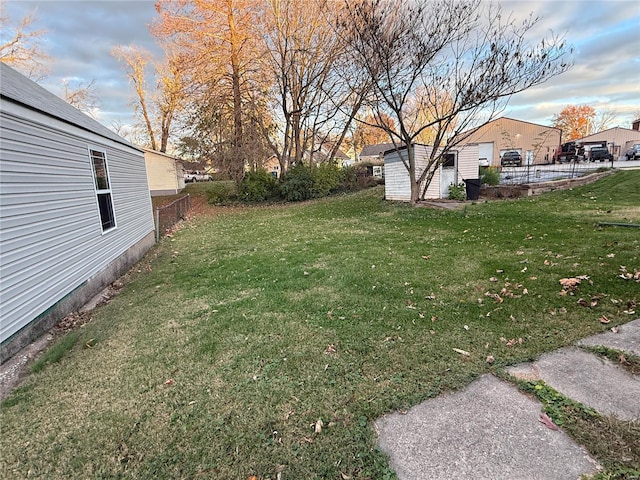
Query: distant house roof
{"x": 617, "y": 135}
{"x": 17, "y": 87}
{"x": 376, "y": 150}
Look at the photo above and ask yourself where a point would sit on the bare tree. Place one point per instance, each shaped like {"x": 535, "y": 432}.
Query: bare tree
{"x": 21, "y": 46}
{"x": 135, "y": 61}
{"x": 314, "y": 85}
{"x": 467, "y": 50}
{"x": 80, "y": 95}
{"x": 217, "y": 45}
{"x": 158, "y": 104}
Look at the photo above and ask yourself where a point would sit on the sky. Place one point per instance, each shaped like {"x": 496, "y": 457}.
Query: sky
{"x": 605, "y": 35}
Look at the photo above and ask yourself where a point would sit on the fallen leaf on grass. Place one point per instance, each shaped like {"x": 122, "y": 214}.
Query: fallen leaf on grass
{"x": 544, "y": 418}
{"x": 614, "y": 330}
{"x": 604, "y": 319}
{"x": 426, "y": 257}
{"x": 318, "y": 427}
{"x": 495, "y": 296}
{"x": 570, "y": 283}
{"x": 461, "y": 352}
{"x": 490, "y": 359}
{"x": 330, "y": 350}
{"x": 344, "y": 476}
{"x": 171, "y": 381}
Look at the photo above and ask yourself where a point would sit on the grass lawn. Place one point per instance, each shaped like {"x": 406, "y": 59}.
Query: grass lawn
{"x": 263, "y": 341}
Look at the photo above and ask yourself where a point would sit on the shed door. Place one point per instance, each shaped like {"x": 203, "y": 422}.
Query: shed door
{"x": 448, "y": 174}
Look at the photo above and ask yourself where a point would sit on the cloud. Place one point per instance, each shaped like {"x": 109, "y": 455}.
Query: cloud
{"x": 606, "y": 71}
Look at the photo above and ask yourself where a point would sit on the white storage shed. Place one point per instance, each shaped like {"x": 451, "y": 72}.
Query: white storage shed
{"x": 461, "y": 164}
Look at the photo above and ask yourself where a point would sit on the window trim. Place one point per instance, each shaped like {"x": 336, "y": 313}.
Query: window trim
{"x": 102, "y": 191}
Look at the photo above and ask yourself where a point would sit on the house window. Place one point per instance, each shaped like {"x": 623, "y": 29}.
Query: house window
{"x": 103, "y": 189}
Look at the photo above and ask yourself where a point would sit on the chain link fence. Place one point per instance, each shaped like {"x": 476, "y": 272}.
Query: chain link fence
{"x": 168, "y": 215}
{"x": 546, "y": 173}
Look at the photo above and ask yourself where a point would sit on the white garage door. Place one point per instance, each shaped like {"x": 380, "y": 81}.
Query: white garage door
{"x": 485, "y": 153}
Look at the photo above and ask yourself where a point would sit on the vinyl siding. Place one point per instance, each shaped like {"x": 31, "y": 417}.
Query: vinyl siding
{"x": 397, "y": 186}
{"x": 51, "y": 235}
{"x": 468, "y": 162}
{"x": 163, "y": 173}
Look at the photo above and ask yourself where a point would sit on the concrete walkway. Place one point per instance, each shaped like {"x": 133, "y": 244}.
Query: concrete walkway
{"x": 490, "y": 430}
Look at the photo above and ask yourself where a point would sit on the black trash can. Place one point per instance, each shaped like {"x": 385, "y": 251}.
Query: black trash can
{"x": 473, "y": 188}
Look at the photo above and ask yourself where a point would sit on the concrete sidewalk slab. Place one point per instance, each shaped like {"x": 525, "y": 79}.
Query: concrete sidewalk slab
{"x": 488, "y": 430}
{"x": 588, "y": 379}
{"x": 627, "y": 338}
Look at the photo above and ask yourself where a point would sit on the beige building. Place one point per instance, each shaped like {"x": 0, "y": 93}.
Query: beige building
{"x": 165, "y": 173}
{"x": 536, "y": 143}
{"x": 618, "y": 139}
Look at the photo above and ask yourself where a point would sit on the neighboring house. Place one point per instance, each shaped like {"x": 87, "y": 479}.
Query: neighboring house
{"x": 322, "y": 153}
{"x": 272, "y": 165}
{"x": 461, "y": 164}
{"x": 375, "y": 153}
{"x": 164, "y": 173}
{"x": 618, "y": 139}
{"x": 535, "y": 143}
{"x": 75, "y": 210}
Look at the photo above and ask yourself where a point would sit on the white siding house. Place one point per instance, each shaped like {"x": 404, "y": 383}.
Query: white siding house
{"x": 75, "y": 209}
{"x": 164, "y": 172}
{"x": 461, "y": 165}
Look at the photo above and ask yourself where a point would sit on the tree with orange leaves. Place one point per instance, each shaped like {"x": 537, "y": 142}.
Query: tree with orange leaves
{"x": 214, "y": 38}
{"x": 575, "y": 121}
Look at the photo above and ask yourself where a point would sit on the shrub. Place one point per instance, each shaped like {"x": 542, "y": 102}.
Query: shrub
{"x": 326, "y": 179}
{"x": 349, "y": 179}
{"x": 220, "y": 191}
{"x": 457, "y": 192}
{"x": 297, "y": 184}
{"x": 258, "y": 186}
{"x": 490, "y": 175}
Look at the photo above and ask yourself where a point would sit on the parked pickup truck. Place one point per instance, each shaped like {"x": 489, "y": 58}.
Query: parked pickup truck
{"x": 196, "y": 176}
{"x": 600, "y": 153}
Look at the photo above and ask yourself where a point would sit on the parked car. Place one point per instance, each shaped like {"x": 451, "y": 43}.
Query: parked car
{"x": 196, "y": 176}
{"x": 600, "y": 153}
{"x": 634, "y": 152}
{"x": 511, "y": 158}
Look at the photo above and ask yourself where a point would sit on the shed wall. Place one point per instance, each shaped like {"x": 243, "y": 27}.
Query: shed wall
{"x": 164, "y": 173}
{"x": 51, "y": 235}
{"x": 397, "y": 184}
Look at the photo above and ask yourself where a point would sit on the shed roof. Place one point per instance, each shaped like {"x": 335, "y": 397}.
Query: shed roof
{"x": 20, "y": 89}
